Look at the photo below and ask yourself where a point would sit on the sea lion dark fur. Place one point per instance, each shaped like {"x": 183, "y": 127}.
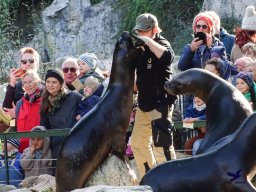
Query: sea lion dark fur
{"x": 103, "y": 130}
{"x": 226, "y": 107}
{"x": 227, "y": 167}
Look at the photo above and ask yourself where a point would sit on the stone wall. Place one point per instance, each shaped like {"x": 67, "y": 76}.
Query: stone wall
{"x": 228, "y": 8}
{"x": 72, "y": 27}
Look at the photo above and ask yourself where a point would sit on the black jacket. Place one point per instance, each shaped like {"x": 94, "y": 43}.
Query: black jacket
{"x": 152, "y": 73}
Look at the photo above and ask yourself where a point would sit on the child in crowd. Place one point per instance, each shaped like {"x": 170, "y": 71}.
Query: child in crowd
{"x": 195, "y": 112}
{"x": 246, "y": 85}
{"x": 249, "y": 50}
{"x": 92, "y": 92}
{"x": 227, "y": 69}
{"x": 37, "y": 158}
{"x": 242, "y": 62}
{"x": 16, "y": 173}
{"x": 88, "y": 67}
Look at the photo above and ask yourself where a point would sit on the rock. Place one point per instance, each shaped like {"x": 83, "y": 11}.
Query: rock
{"x": 113, "y": 172}
{"x": 72, "y": 27}
{"x": 42, "y": 183}
{"x": 4, "y": 188}
{"x": 103, "y": 188}
{"x": 234, "y": 8}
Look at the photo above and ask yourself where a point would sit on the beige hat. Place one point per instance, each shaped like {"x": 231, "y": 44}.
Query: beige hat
{"x": 92, "y": 82}
{"x": 145, "y": 22}
{"x": 249, "y": 20}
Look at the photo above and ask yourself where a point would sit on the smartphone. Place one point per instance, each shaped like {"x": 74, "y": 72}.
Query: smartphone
{"x": 20, "y": 73}
{"x": 201, "y": 36}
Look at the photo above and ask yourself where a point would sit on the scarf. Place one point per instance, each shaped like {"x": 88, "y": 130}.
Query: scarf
{"x": 34, "y": 96}
{"x": 55, "y": 101}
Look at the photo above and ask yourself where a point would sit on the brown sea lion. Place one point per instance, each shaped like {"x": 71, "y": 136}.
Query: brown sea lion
{"x": 102, "y": 130}
{"x": 227, "y": 167}
{"x": 226, "y": 107}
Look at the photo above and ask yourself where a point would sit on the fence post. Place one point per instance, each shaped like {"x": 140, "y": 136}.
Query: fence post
{"x": 6, "y": 161}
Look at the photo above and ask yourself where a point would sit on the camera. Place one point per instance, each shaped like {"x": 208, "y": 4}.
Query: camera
{"x": 201, "y": 36}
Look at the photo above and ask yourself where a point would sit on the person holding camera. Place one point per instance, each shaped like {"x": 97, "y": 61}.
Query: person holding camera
{"x": 152, "y": 71}
{"x": 195, "y": 54}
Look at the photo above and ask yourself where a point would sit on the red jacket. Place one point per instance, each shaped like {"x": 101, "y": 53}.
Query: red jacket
{"x": 27, "y": 117}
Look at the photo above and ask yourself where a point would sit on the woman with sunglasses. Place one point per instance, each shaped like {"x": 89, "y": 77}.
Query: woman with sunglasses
{"x": 195, "y": 54}
{"x": 245, "y": 34}
{"x": 58, "y": 106}
{"x": 29, "y": 59}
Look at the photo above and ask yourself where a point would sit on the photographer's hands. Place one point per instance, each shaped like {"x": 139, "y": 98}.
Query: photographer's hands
{"x": 195, "y": 44}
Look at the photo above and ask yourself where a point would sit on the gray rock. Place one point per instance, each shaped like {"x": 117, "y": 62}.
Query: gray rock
{"x": 113, "y": 172}
{"x": 4, "y": 188}
{"x": 72, "y": 27}
{"x": 230, "y": 8}
{"x": 103, "y": 188}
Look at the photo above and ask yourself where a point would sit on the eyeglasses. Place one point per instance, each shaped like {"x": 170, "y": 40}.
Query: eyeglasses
{"x": 24, "y": 62}
{"x": 71, "y": 69}
{"x": 251, "y": 33}
{"x": 202, "y": 26}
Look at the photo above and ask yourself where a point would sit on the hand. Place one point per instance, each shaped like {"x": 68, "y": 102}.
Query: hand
{"x": 195, "y": 44}
{"x": 13, "y": 77}
{"x": 78, "y": 117}
{"x": 145, "y": 39}
{"x": 11, "y": 111}
{"x": 32, "y": 149}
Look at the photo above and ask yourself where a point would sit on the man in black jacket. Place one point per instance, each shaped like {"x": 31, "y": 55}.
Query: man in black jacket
{"x": 152, "y": 71}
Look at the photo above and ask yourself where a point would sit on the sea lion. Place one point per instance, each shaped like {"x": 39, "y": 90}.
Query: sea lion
{"x": 226, "y": 107}
{"x": 103, "y": 129}
{"x": 228, "y": 166}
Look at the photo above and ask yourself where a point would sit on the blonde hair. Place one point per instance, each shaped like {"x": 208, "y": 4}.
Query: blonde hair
{"x": 32, "y": 74}
{"x": 31, "y": 51}
{"x": 248, "y": 46}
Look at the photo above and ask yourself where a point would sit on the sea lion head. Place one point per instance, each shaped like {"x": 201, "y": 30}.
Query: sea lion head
{"x": 197, "y": 82}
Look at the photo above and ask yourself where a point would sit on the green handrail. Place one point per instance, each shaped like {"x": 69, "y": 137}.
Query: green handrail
{"x": 10, "y": 135}
{"x": 180, "y": 125}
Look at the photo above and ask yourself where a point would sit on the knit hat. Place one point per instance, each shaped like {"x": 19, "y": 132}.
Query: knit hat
{"x": 14, "y": 142}
{"x": 90, "y": 59}
{"x": 92, "y": 82}
{"x": 219, "y": 52}
{"x": 242, "y": 62}
{"x": 56, "y": 73}
{"x": 207, "y": 18}
{"x": 145, "y": 22}
{"x": 247, "y": 77}
{"x": 249, "y": 20}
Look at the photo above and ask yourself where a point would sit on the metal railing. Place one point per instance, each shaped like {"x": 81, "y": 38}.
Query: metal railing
{"x": 60, "y": 132}
{"x": 11, "y": 135}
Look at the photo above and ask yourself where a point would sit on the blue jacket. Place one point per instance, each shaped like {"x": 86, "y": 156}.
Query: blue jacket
{"x": 16, "y": 173}
{"x": 190, "y": 59}
{"x": 192, "y": 112}
{"x": 227, "y": 39}
{"x": 88, "y": 103}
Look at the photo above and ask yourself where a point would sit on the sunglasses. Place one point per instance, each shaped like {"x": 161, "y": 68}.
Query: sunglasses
{"x": 24, "y": 62}
{"x": 71, "y": 69}
{"x": 251, "y": 33}
{"x": 202, "y": 26}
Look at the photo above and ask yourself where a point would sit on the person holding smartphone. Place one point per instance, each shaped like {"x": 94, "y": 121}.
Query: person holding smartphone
{"x": 195, "y": 54}
{"x": 29, "y": 60}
